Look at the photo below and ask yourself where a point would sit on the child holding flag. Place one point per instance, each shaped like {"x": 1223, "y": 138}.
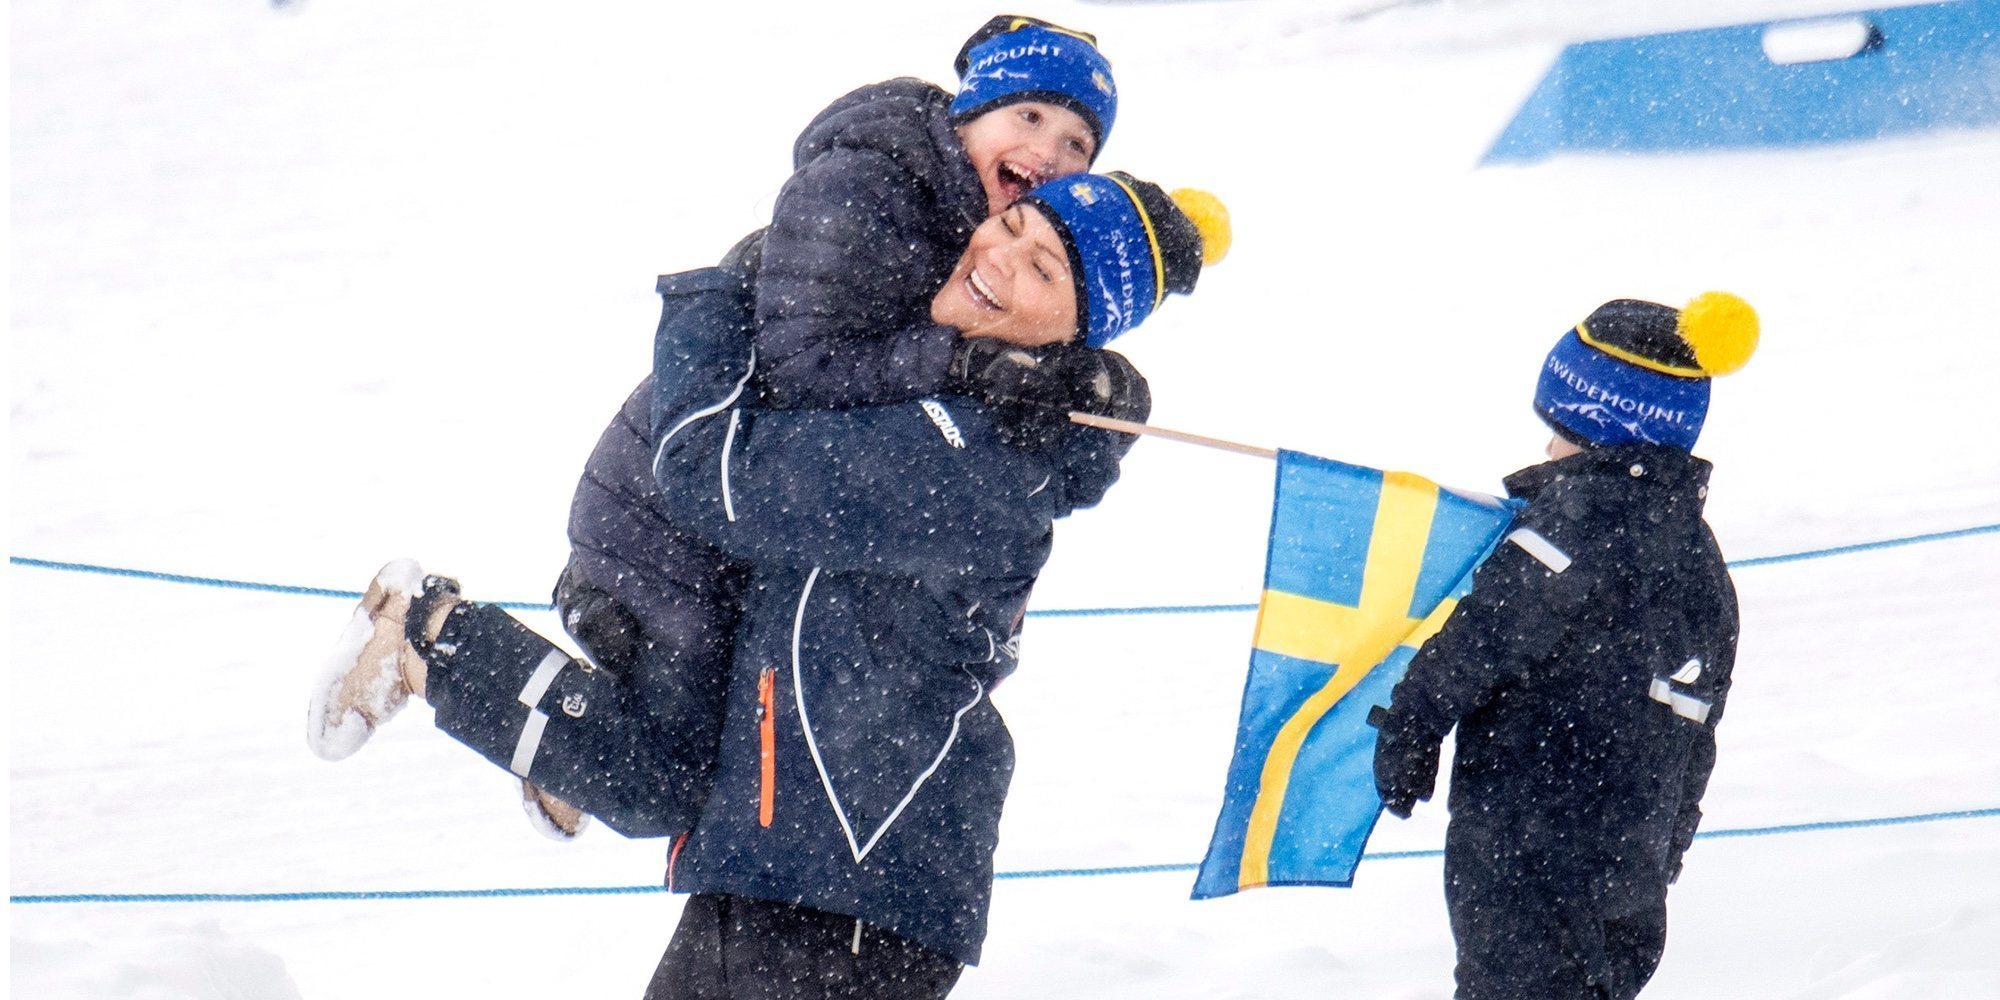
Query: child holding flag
{"x": 1586, "y": 671}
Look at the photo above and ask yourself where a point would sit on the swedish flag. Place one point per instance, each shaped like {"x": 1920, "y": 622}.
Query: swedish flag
{"x": 1363, "y": 566}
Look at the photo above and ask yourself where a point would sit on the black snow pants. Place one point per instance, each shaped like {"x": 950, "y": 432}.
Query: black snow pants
{"x": 1528, "y": 930}
{"x": 637, "y": 756}
{"x": 738, "y": 948}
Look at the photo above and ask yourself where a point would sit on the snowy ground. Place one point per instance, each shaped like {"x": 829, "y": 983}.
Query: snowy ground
{"x": 297, "y": 289}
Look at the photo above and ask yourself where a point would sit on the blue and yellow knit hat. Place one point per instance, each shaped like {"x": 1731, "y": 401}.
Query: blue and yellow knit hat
{"x": 1130, "y": 243}
{"x": 1637, "y": 372}
{"x": 1013, "y": 59}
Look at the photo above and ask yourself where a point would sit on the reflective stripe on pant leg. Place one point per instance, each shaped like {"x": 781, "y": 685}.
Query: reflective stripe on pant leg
{"x": 538, "y": 721}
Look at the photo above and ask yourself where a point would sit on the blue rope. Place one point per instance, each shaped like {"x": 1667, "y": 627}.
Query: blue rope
{"x": 1759, "y": 831}
{"x": 316, "y": 897}
{"x": 1158, "y": 609}
{"x": 211, "y": 581}
{"x": 1841, "y": 550}
{"x": 1850, "y": 824}
{"x": 1162, "y": 609}
{"x": 1040, "y": 873}
{"x": 1082, "y": 872}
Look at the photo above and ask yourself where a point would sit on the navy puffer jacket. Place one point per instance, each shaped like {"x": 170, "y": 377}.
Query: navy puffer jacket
{"x": 879, "y": 207}
{"x": 682, "y": 590}
{"x": 862, "y": 766}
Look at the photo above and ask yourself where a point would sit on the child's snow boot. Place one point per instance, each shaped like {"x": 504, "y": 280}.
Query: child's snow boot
{"x": 374, "y": 667}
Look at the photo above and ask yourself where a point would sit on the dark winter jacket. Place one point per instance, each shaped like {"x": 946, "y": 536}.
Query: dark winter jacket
{"x": 1586, "y": 673}
{"x": 682, "y": 589}
{"x": 862, "y": 767}
{"x": 879, "y": 207}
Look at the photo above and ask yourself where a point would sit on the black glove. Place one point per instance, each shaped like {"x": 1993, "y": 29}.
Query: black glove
{"x": 998, "y": 373}
{"x": 604, "y": 627}
{"x": 1026, "y": 391}
{"x": 1113, "y": 388}
{"x": 1032, "y": 390}
{"x": 1406, "y": 766}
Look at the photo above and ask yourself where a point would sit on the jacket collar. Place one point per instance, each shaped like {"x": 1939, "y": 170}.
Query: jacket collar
{"x": 1657, "y": 467}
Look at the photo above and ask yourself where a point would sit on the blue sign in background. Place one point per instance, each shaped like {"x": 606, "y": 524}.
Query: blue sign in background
{"x": 1933, "y": 66}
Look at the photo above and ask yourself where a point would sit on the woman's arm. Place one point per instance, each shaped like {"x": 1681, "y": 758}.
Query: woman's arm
{"x": 923, "y": 488}
{"x": 915, "y": 489}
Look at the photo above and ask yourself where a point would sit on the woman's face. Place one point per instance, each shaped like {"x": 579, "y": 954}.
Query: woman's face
{"x": 1018, "y": 146}
{"x": 1013, "y": 283}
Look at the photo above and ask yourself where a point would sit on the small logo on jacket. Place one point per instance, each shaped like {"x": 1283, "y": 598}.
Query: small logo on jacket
{"x": 945, "y": 425}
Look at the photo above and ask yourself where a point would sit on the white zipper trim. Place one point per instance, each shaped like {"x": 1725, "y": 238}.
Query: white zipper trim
{"x": 706, "y": 411}
{"x": 728, "y": 442}
{"x": 854, "y": 846}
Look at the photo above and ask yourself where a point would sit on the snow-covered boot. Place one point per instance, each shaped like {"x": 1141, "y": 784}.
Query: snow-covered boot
{"x": 556, "y": 819}
{"x": 366, "y": 679}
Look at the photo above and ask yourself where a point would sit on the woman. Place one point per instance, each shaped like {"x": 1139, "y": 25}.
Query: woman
{"x": 888, "y": 183}
{"x": 849, "y": 834}
{"x": 857, "y": 799}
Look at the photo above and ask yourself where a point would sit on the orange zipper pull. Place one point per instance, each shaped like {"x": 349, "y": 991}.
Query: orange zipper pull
{"x": 767, "y": 733}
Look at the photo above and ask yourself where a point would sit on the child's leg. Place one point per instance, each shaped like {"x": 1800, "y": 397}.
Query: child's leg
{"x": 1520, "y": 931}
{"x": 667, "y": 636}
{"x": 677, "y": 676}
{"x": 1633, "y": 946}
{"x": 582, "y": 733}
{"x": 634, "y": 747}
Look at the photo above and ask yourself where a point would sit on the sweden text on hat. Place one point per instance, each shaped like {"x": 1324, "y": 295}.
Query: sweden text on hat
{"x": 1129, "y": 244}
{"x": 1637, "y": 372}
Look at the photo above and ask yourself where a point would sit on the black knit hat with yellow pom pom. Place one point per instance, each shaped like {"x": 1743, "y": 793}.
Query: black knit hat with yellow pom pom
{"x": 1637, "y": 372}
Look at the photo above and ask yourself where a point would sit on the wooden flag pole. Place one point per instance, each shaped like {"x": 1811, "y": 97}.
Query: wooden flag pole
{"x": 1129, "y": 427}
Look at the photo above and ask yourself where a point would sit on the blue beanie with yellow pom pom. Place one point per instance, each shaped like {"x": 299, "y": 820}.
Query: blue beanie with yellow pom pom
{"x": 1130, "y": 243}
{"x": 1636, "y": 372}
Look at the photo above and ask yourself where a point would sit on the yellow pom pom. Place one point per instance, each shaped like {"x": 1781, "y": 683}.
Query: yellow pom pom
{"x": 1210, "y": 218}
{"x": 1722, "y": 330}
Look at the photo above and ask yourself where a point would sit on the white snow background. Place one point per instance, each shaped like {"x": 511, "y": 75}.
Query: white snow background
{"x": 299, "y": 289}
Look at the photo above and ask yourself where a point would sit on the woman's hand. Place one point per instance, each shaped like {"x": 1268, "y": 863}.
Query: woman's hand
{"x": 1032, "y": 391}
